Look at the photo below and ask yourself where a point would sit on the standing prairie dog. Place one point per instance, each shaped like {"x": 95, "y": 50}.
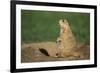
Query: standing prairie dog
{"x": 66, "y": 39}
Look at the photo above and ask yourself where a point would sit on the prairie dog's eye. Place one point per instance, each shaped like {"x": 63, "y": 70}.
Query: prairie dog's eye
{"x": 62, "y": 20}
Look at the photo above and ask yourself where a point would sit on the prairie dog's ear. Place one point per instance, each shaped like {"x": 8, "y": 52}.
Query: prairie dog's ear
{"x": 65, "y": 22}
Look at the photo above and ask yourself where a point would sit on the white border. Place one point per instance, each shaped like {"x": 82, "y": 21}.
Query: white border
{"x": 20, "y": 65}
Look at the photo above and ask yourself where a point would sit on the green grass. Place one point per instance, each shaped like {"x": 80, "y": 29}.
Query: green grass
{"x": 38, "y": 26}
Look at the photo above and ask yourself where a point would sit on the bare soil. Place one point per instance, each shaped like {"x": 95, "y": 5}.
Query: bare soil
{"x": 30, "y": 52}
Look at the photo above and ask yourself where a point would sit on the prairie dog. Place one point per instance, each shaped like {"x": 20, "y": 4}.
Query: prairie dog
{"x": 67, "y": 40}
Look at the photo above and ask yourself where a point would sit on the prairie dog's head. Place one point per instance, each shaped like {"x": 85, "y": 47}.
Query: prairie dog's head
{"x": 62, "y": 22}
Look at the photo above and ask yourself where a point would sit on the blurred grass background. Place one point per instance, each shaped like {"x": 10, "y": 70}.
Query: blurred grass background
{"x": 38, "y": 26}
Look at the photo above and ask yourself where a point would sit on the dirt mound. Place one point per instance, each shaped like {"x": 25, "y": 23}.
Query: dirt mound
{"x": 30, "y": 52}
